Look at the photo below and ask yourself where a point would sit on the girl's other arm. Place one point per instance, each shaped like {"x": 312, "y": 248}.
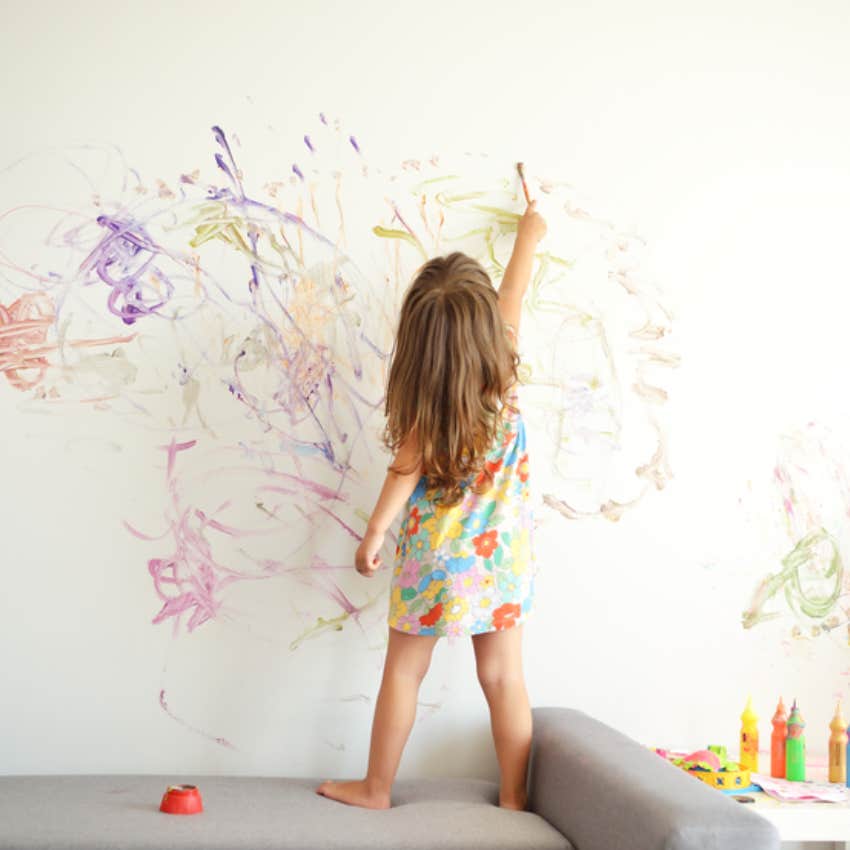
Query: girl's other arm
{"x": 531, "y": 228}
{"x": 397, "y": 489}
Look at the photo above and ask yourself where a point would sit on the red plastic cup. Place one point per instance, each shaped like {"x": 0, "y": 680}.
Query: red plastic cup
{"x": 181, "y": 800}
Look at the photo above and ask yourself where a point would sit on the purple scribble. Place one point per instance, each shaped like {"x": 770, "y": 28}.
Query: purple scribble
{"x": 218, "y": 194}
{"x": 123, "y": 260}
{"x": 354, "y": 143}
{"x": 323, "y": 119}
{"x": 232, "y": 172}
{"x": 343, "y": 525}
{"x": 297, "y": 171}
{"x": 309, "y": 143}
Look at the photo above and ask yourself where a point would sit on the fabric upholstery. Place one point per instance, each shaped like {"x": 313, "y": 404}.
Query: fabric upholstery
{"x": 260, "y": 813}
{"x": 605, "y": 791}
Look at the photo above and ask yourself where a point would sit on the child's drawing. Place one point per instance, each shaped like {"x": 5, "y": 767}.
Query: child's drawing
{"x": 239, "y": 324}
{"x": 812, "y": 495}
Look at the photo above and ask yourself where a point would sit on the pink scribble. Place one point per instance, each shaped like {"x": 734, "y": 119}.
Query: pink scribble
{"x": 172, "y": 448}
{"x": 164, "y": 706}
{"x": 191, "y": 581}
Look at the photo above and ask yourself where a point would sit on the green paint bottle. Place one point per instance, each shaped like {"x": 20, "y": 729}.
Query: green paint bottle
{"x": 795, "y": 747}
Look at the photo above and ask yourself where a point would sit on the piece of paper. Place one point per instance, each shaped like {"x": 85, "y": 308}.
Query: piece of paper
{"x": 798, "y": 792}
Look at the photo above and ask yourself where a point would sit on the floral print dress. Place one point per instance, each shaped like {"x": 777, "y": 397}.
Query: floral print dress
{"x": 469, "y": 569}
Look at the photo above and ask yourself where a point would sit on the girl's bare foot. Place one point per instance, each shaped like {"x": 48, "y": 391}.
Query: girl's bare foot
{"x": 356, "y": 793}
{"x": 517, "y": 801}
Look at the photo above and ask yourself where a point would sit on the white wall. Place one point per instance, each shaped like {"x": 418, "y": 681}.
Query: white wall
{"x": 716, "y": 132}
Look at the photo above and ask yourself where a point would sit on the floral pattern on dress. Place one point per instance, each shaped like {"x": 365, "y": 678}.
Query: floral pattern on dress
{"x": 469, "y": 569}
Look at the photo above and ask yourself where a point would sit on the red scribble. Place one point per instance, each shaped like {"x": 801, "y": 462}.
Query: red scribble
{"x": 24, "y": 326}
{"x": 23, "y": 334}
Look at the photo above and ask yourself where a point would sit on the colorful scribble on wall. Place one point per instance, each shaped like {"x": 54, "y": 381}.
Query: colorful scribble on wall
{"x": 242, "y": 325}
{"x": 812, "y": 497}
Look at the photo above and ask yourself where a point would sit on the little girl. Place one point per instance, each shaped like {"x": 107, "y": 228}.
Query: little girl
{"x": 464, "y": 562}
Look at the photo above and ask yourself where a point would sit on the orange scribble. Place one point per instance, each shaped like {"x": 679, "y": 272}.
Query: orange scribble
{"x": 23, "y": 339}
{"x": 23, "y": 334}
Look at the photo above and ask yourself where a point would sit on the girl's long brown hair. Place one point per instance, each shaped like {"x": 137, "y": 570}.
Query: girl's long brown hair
{"x": 452, "y": 365}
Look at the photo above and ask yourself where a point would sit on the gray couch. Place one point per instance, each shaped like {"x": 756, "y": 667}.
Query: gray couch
{"x": 590, "y": 788}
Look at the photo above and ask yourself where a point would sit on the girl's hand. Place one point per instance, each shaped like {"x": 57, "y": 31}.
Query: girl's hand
{"x": 532, "y": 225}
{"x": 366, "y": 559}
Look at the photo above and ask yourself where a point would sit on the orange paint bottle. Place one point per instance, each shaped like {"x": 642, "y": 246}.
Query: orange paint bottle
{"x": 777, "y": 742}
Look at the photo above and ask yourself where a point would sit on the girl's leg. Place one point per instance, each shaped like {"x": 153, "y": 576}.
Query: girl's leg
{"x": 498, "y": 659}
{"x": 407, "y": 662}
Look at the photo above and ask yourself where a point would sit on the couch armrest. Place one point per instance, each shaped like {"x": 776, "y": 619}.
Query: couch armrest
{"x": 605, "y": 791}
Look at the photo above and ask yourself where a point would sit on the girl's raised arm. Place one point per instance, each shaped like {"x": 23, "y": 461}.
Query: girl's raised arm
{"x": 531, "y": 228}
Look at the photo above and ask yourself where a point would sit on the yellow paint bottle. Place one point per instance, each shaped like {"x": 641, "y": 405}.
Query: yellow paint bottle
{"x": 838, "y": 747}
{"x": 749, "y": 738}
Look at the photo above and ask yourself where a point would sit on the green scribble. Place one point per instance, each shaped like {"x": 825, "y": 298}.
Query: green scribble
{"x": 419, "y": 186}
{"x": 395, "y": 233}
{"x": 812, "y": 605}
{"x": 454, "y": 199}
{"x": 537, "y": 302}
{"x": 260, "y": 506}
{"x": 334, "y": 624}
{"x": 213, "y": 221}
{"x": 477, "y": 231}
{"x": 322, "y": 625}
{"x": 500, "y": 216}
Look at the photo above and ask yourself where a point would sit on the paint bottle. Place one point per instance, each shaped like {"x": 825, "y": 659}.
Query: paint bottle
{"x": 848, "y": 755}
{"x": 795, "y": 747}
{"x": 777, "y": 741}
{"x": 749, "y": 738}
{"x": 838, "y": 747}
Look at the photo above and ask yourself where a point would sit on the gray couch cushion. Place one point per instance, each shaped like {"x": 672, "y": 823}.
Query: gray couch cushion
{"x": 260, "y": 813}
{"x": 605, "y": 791}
